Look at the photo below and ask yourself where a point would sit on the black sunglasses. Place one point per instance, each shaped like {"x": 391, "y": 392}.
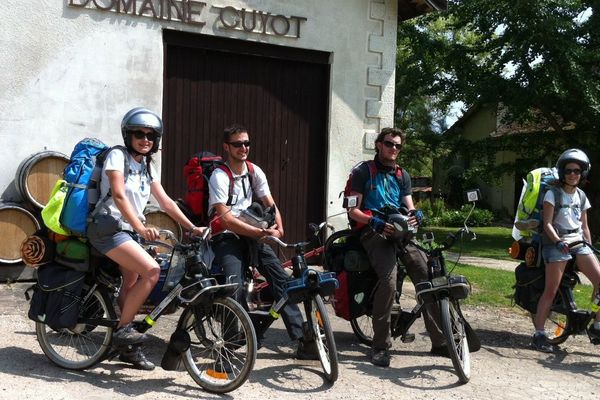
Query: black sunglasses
{"x": 237, "y": 145}
{"x": 575, "y": 171}
{"x": 389, "y": 145}
{"x": 151, "y": 136}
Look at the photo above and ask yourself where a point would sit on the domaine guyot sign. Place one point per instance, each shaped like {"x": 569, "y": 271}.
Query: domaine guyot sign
{"x": 195, "y": 12}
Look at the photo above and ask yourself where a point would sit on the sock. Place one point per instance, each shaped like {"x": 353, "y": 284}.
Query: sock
{"x": 597, "y": 325}
{"x": 540, "y": 332}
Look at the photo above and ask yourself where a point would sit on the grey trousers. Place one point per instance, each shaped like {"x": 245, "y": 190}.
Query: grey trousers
{"x": 382, "y": 256}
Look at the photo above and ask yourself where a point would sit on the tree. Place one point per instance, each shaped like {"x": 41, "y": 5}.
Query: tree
{"x": 539, "y": 59}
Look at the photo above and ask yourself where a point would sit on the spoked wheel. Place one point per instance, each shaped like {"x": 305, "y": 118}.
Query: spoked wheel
{"x": 223, "y": 345}
{"x": 456, "y": 338}
{"x": 86, "y": 343}
{"x": 557, "y": 325}
{"x": 363, "y": 329}
{"x": 318, "y": 320}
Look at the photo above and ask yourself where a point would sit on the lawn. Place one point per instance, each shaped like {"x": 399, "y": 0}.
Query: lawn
{"x": 492, "y": 242}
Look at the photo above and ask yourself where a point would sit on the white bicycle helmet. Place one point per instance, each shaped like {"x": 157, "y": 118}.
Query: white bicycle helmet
{"x": 141, "y": 117}
{"x": 573, "y": 156}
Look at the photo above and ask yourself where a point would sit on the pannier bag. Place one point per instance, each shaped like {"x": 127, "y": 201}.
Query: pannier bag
{"x": 353, "y": 293}
{"x": 529, "y": 286}
{"x": 56, "y": 296}
{"x": 345, "y": 253}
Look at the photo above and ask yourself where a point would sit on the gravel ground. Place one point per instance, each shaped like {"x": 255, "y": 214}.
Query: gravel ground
{"x": 504, "y": 368}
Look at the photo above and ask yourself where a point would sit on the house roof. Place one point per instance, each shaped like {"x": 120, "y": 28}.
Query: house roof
{"x": 408, "y": 9}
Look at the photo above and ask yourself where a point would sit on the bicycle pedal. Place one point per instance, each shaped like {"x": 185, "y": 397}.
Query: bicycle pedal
{"x": 408, "y": 338}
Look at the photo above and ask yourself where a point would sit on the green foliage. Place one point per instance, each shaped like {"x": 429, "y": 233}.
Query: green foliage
{"x": 436, "y": 214}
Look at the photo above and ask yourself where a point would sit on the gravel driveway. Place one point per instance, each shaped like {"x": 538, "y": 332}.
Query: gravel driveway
{"x": 505, "y": 368}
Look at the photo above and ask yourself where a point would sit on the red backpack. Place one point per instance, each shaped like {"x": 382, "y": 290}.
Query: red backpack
{"x": 197, "y": 172}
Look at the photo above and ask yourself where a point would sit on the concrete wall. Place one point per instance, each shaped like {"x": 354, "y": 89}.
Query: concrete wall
{"x": 73, "y": 72}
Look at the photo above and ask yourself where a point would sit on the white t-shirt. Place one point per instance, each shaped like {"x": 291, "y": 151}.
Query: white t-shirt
{"x": 137, "y": 186}
{"x": 243, "y": 191}
{"x": 568, "y": 218}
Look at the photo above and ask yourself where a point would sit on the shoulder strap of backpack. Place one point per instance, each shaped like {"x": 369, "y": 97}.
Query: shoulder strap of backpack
{"x": 582, "y": 198}
{"x": 225, "y": 168}
{"x": 102, "y": 159}
{"x": 372, "y": 172}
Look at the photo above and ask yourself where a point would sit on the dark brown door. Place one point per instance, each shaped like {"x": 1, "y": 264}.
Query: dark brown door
{"x": 280, "y": 94}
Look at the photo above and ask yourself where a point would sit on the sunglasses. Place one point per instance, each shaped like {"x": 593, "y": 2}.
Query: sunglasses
{"x": 151, "y": 136}
{"x": 389, "y": 145}
{"x": 238, "y": 145}
{"x": 575, "y": 171}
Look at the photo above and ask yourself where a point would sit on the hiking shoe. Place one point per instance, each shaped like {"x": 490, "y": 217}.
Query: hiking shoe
{"x": 307, "y": 350}
{"x": 381, "y": 358}
{"x": 539, "y": 341}
{"x": 593, "y": 334}
{"x": 223, "y": 365}
{"x": 127, "y": 335}
{"x": 441, "y": 351}
{"x": 527, "y": 224}
{"x": 134, "y": 355}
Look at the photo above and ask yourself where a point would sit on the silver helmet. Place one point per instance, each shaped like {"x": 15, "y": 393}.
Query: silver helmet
{"x": 573, "y": 156}
{"x": 141, "y": 117}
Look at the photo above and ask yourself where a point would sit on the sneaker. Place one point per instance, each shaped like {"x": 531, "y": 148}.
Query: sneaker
{"x": 134, "y": 355}
{"x": 127, "y": 335}
{"x": 441, "y": 351}
{"x": 381, "y": 358}
{"x": 539, "y": 341}
{"x": 527, "y": 224}
{"x": 307, "y": 350}
{"x": 593, "y": 334}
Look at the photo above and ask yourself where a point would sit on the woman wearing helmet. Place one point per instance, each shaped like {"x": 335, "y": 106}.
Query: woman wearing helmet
{"x": 565, "y": 221}
{"x": 126, "y": 198}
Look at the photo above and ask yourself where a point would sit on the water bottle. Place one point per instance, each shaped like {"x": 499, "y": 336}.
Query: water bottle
{"x": 596, "y": 302}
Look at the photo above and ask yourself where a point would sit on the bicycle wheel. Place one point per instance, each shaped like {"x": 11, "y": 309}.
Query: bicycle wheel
{"x": 87, "y": 343}
{"x": 557, "y": 324}
{"x": 456, "y": 338}
{"x": 223, "y": 346}
{"x": 363, "y": 329}
{"x": 318, "y": 320}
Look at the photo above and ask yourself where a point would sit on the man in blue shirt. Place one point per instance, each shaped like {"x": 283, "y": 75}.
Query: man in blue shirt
{"x": 381, "y": 185}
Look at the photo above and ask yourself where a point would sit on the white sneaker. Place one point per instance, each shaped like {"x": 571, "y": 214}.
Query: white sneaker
{"x": 527, "y": 224}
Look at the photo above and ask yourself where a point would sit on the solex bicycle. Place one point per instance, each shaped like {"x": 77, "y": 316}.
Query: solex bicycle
{"x": 214, "y": 338}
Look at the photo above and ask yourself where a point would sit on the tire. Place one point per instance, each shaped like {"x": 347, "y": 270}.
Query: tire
{"x": 223, "y": 345}
{"x": 86, "y": 344}
{"x": 363, "y": 329}
{"x": 456, "y": 338}
{"x": 318, "y": 321}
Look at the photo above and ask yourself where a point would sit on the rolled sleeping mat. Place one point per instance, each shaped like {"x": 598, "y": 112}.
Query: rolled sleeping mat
{"x": 37, "y": 250}
{"x": 16, "y": 224}
{"x": 37, "y": 174}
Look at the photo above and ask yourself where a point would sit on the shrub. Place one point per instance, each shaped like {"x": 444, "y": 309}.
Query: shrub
{"x": 436, "y": 214}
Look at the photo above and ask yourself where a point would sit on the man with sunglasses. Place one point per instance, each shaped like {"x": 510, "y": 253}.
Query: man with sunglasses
{"x": 239, "y": 244}
{"x": 382, "y": 188}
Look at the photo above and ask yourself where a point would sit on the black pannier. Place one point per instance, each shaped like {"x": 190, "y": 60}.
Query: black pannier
{"x": 56, "y": 296}
{"x": 529, "y": 286}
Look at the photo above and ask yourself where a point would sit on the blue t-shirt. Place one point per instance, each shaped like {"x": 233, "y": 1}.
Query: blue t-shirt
{"x": 384, "y": 189}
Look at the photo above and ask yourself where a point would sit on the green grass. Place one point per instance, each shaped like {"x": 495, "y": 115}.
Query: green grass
{"x": 492, "y": 287}
{"x": 492, "y": 242}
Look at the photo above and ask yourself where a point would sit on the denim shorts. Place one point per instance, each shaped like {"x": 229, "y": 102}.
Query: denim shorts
{"x": 104, "y": 234}
{"x": 552, "y": 254}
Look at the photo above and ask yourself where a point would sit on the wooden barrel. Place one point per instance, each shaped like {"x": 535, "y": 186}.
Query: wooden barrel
{"x": 16, "y": 224}
{"x": 157, "y": 218}
{"x": 37, "y": 174}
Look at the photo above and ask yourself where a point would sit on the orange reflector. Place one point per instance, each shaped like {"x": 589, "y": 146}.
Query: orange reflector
{"x": 319, "y": 319}
{"x": 217, "y": 375}
{"x": 559, "y": 329}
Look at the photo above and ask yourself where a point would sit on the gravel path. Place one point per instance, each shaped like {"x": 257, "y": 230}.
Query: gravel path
{"x": 505, "y": 367}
